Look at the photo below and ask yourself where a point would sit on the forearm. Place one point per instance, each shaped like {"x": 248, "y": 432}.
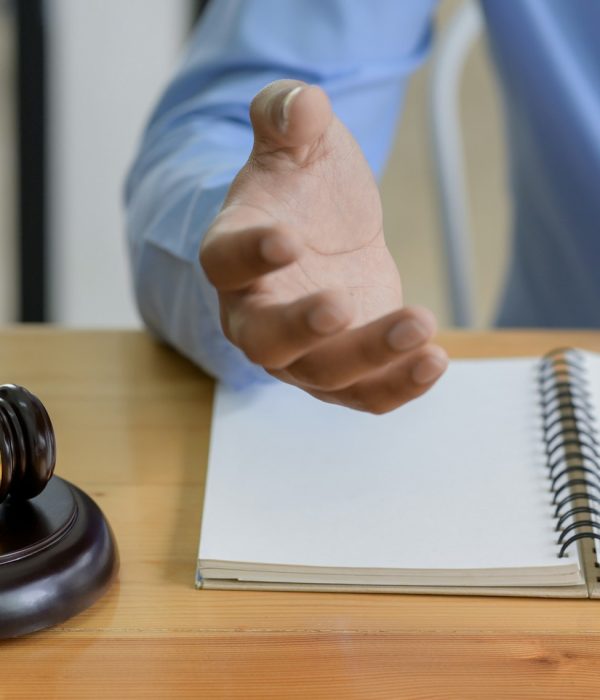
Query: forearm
{"x": 171, "y": 202}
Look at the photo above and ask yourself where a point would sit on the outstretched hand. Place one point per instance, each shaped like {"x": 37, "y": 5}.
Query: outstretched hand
{"x": 306, "y": 284}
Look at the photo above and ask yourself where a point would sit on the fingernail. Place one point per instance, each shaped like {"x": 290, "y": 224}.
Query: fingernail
{"x": 428, "y": 369}
{"x": 327, "y": 319}
{"x": 285, "y": 108}
{"x": 407, "y": 334}
{"x": 275, "y": 249}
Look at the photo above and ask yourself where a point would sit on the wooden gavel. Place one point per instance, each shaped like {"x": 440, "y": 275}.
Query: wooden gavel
{"x": 57, "y": 552}
{"x": 27, "y": 444}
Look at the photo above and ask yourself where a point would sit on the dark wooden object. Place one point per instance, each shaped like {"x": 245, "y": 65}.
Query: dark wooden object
{"x": 57, "y": 552}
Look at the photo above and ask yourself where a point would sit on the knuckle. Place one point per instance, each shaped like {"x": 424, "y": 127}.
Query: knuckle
{"x": 325, "y": 381}
{"x": 399, "y": 392}
{"x": 211, "y": 262}
{"x": 227, "y": 331}
{"x": 316, "y": 375}
{"x": 377, "y": 403}
{"x": 360, "y": 399}
{"x": 374, "y": 405}
{"x": 247, "y": 341}
{"x": 370, "y": 353}
{"x": 376, "y": 400}
{"x": 253, "y": 351}
{"x": 227, "y": 318}
{"x": 206, "y": 260}
{"x": 248, "y": 255}
{"x": 380, "y": 409}
{"x": 258, "y": 349}
{"x": 275, "y": 364}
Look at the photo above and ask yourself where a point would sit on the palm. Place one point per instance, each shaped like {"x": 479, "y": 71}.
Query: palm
{"x": 300, "y": 232}
{"x": 331, "y": 201}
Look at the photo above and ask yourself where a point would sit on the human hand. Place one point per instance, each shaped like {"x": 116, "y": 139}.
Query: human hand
{"x": 307, "y": 287}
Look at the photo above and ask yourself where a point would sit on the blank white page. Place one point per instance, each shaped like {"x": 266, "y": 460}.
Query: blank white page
{"x": 454, "y": 480}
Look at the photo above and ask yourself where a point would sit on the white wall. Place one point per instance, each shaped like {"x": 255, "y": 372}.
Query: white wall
{"x": 108, "y": 62}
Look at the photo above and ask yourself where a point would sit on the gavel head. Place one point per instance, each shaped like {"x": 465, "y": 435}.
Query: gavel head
{"x": 27, "y": 444}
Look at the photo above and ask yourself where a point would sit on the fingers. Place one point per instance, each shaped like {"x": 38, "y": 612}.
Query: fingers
{"x": 288, "y": 114}
{"x": 395, "y": 386}
{"x": 349, "y": 357}
{"x": 309, "y": 343}
{"x": 374, "y": 368}
{"x": 275, "y": 335}
{"x": 233, "y": 260}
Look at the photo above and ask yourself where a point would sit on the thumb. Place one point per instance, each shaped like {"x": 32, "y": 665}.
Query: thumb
{"x": 289, "y": 114}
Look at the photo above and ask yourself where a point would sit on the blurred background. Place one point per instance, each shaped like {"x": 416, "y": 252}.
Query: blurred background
{"x": 78, "y": 79}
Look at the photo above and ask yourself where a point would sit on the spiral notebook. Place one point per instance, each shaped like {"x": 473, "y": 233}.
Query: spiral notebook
{"x": 489, "y": 484}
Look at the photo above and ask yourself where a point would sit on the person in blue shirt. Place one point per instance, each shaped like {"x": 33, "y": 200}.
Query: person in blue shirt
{"x": 254, "y": 220}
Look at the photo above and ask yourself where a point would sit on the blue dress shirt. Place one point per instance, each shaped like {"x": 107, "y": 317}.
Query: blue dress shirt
{"x": 547, "y": 54}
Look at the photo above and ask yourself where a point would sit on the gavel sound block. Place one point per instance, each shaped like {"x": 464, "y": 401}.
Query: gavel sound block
{"x": 57, "y": 552}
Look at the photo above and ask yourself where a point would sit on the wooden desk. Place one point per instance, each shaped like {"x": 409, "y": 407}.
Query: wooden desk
{"x": 132, "y": 420}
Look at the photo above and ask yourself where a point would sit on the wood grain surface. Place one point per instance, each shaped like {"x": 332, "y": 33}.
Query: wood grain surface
{"x": 132, "y": 421}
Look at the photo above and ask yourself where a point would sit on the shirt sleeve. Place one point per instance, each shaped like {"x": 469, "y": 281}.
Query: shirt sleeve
{"x": 200, "y": 135}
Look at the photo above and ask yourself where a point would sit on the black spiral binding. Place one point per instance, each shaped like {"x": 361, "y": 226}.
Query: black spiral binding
{"x": 572, "y": 446}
